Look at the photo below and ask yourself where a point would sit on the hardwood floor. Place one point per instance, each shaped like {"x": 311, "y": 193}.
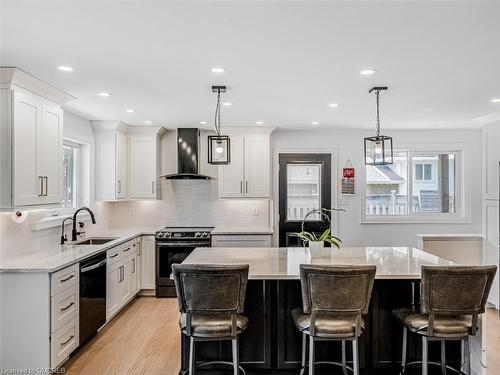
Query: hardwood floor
{"x": 144, "y": 339}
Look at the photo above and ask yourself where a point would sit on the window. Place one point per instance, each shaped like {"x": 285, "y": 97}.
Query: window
{"x": 304, "y": 190}
{"x": 70, "y": 174}
{"x": 415, "y": 185}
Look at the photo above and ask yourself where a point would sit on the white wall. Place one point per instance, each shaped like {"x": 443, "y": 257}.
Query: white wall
{"x": 349, "y": 145}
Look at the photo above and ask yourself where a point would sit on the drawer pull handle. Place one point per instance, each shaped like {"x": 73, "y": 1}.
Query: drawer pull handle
{"x": 113, "y": 256}
{"x": 67, "y": 307}
{"x": 68, "y": 278}
{"x": 68, "y": 340}
{"x": 127, "y": 249}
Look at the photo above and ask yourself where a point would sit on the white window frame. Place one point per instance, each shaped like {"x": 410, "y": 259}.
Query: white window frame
{"x": 462, "y": 191}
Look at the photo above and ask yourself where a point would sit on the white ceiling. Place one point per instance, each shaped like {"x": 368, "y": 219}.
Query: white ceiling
{"x": 286, "y": 61}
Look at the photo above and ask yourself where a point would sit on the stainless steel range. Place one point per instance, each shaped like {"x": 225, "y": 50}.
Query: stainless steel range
{"x": 173, "y": 245}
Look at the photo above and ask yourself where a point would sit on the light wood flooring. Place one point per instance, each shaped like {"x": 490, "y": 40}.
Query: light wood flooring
{"x": 144, "y": 339}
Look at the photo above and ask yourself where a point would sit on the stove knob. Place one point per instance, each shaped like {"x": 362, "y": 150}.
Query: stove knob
{"x": 160, "y": 234}
{"x": 197, "y": 235}
{"x": 204, "y": 234}
{"x": 167, "y": 234}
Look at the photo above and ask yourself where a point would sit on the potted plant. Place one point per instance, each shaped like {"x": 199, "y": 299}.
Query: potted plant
{"x": 317, "y": 242}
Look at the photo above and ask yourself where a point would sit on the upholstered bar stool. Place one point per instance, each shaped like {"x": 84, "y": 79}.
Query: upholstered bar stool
{"x": 452, "y": 297}
{"x": 211, "y": 301}
{"x": 334, "y": 298}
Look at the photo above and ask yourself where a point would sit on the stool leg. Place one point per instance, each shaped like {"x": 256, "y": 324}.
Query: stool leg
{"x": 424, "y": 356}
{"x": 236, "y": 363}
{"x": 311, "y": 355}
{"x": 344, "y": 360}
{"x": 467, "y": 356}
{"x": 355, "y": 362}
{"x": 443, "y": 357}
{"x": 304, "y": 348}
{"x": 404, "y": 349}
{"x": 192, "y": 356}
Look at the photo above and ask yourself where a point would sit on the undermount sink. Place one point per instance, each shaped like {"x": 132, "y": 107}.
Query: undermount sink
{"x": 95, "y": 241}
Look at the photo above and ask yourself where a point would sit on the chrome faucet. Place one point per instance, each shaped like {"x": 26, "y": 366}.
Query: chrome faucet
{"x": 74, "y": 233}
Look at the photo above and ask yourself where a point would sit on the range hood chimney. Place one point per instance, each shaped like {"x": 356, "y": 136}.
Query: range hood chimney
{"x": 187, "y": 156}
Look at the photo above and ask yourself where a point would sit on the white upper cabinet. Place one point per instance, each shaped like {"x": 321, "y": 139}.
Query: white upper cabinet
{"x": 127, "y": 161}
{"x": 248, "y": 173}
{"x": 491, "y": 161}
{"x": 144, "y": 156}
{"x": 31, "y": 132}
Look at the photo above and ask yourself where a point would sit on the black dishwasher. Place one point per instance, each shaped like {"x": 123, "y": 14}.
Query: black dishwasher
{"x": 92, "y": 296}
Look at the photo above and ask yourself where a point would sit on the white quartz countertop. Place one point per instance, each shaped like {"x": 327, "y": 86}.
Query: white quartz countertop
{"x": 273, "y": 263}
{"x": 450, "y": 237}
{"x": 241, "y": 230}
{"x": 56, "y": 257}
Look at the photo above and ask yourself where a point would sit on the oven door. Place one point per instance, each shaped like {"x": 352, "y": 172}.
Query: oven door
{"x": 168, "y": 253}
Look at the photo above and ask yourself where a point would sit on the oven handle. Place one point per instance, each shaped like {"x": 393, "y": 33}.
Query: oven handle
{"x": 181, "y": 244}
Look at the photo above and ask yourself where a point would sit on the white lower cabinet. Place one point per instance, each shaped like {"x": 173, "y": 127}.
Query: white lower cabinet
{"x": 113, "y": 289}
{"x": 237, "y": 240}
{"x": 148, "y": 263}
{"x": 64, "y": 342}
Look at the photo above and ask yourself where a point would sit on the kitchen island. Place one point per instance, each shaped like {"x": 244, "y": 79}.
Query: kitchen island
{"x": 272, "y": 344}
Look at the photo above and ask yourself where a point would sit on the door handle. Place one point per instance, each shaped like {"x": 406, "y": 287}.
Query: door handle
{"x": 46, "y": 185}
{"x": 41, "y": 186}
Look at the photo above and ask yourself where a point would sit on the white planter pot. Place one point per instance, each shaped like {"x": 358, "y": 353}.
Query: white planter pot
{"x": 316, "y": 247}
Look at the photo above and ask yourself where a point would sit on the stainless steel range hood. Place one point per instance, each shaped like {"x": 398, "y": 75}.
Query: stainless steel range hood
{"x": 187, "y": 156}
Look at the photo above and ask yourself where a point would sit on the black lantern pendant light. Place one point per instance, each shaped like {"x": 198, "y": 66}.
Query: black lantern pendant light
{"x": 378, "y": 149}
{"x": 219, "y": 151}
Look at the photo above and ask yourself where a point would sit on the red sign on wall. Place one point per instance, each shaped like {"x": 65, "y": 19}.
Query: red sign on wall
{"x": 348, "y": 172}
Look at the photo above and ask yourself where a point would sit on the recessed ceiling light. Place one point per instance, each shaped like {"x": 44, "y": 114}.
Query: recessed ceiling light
{"x": 367, "y": 72}
{"x": 314, "y": 123}
{"x": 130, "y": 110}
{"x": 333, "y": 105}
{"x": 259, "y": 122}
{"x": 147, "y": 122}
{"x": 218, "y": 69}
{"x": 104, "y": 94}
{"x": 496, "y": 100}
{"x": 203, "y": 122}
{"x": 65, "y": 68}
{"x": 227, "y": 104}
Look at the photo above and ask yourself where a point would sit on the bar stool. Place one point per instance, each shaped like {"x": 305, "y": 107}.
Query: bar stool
{"x": 452, "y": 297}
{"x": 211, "y": 301}
{"x": 334, "y": 298}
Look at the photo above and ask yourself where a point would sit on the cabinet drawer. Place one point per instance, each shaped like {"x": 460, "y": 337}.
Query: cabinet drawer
{"x": 64, "y": 278}
{"x": 128, "y": 248}
{"x": 64, "y": 307}
{"x": 63, "y": 342}
{"x": 114, "y": 255}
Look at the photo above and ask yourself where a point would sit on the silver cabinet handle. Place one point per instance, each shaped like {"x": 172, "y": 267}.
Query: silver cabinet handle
{"x": 133, "y": 265}
{"x": 41, "y": 186}
{"x": 68, "y": 340}
{"x": 241, "y": 187}
{"x": 113, "y": 256}
{"x": 246, "y": 186}
{"x": 68, "y": 278}
{"x": 152, "y": 187}
{"x": 119, "y": 186}
{"x": 67, "y": 307}
{"x": 127, "y": 249}
{"x": 46, "y": 185}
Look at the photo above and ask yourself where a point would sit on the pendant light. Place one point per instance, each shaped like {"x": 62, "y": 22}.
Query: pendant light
{"x": 378, "y": 149}
{"x": 219, "y": 151}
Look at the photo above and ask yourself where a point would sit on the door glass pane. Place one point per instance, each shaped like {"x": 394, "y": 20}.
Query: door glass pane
{"x": 69, "y": 176}
{"x": 387, "y": 187}
{"x": 303, "y": 190}
{"x": 435, "y": 192}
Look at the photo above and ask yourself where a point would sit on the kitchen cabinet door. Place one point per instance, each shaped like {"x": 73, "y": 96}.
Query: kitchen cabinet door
{"x": 143, "y": 166}
{"x": 121, "y": 165}
{"x": 148, "y": 279}
{"x": 231, "y": 176}
{"x": 113, "y": 289}
{"x": 257, "y": 166}
{"x": 51, "y": 152}
{"x": 26, "y": 130}
{"x": 126, "y": 281}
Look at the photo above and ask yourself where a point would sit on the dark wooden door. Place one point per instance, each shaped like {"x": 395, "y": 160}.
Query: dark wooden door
{"x": 304, "y": 184}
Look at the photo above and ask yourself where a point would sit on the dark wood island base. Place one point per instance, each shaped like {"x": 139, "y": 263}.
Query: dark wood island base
{"x": 272, "y": 344}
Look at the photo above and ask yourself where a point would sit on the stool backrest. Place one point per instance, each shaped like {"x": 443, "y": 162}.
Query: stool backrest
{"x": 340, "y": 290}
{"x": 210, "y": 289}
{"x": 456, "y": 290}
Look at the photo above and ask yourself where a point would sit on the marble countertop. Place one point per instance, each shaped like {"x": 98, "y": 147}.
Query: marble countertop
{"x": 56, "y": 257}
{"x": 283, "y": 263}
